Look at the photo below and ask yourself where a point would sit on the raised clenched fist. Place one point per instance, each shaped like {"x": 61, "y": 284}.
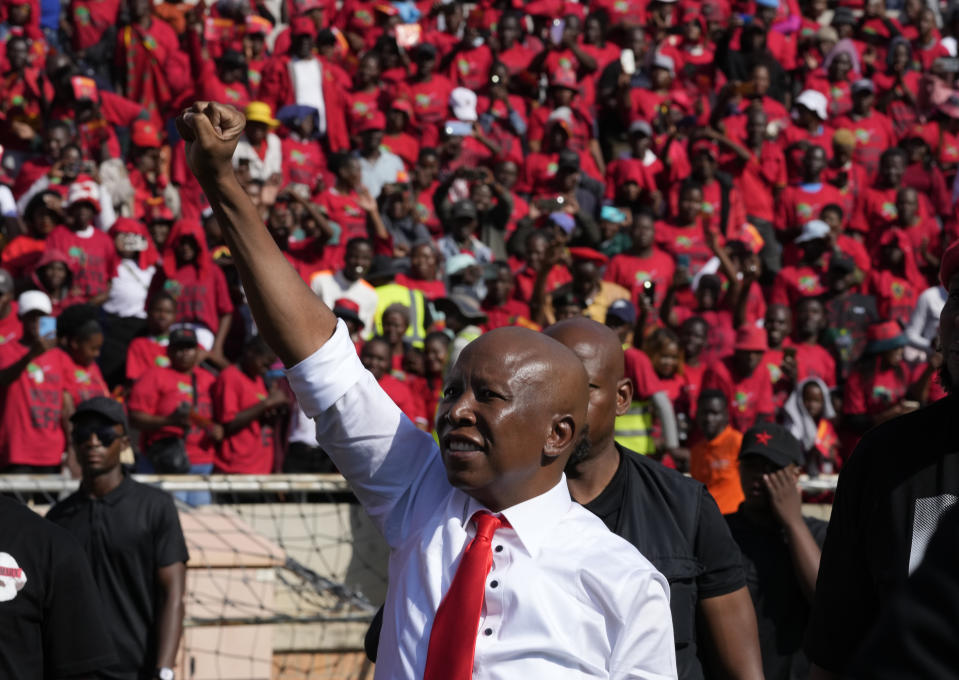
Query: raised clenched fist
{"x": 211, "y": 132}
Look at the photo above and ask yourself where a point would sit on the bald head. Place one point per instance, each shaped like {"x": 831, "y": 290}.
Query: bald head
{"x": 610, "y": 392}
{"x": 513, "y": 411}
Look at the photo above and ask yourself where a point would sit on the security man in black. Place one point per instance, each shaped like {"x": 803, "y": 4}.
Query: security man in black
{"x": 51, "y": 621}
{"x": 900, "y": 480}
{"x": 132, "y": 537}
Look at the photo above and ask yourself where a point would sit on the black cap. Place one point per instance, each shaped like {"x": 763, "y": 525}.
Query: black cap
{"x": 464, "y": 209}
{"x": 183, "y": 337}
{"x": 568, "y": 160}
{"x": 104, "y": 407}
{"x": 773, "y": 442}
{"x": 383, "y": 267}
{"x": 842, "y": 265}
{"x": 843, "y": 15}
{"x": 467, "y": 307}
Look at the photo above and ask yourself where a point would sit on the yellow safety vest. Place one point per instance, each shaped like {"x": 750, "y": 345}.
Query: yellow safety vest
{"x": 634, "y": 429}
{"x": 394, "y": 293}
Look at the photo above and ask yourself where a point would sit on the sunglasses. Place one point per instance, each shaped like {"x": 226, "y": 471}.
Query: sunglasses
{"x": 105, "y": 433}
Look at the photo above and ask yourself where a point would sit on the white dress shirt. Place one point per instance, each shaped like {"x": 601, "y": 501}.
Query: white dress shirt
{"x": 565, "y": 598}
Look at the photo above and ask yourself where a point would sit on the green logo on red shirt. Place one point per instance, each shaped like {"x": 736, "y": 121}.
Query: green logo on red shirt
{"x": 888, "y": 210}
{"x": 162, "y": 361}
{"x": 35, "y": 373}
{"x": 81, "y": 376}
{"x": 741, "y": 401}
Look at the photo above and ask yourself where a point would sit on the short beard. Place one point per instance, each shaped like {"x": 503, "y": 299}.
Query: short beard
{"x": 945, "y": 379}
{"x": 579, "y": 454}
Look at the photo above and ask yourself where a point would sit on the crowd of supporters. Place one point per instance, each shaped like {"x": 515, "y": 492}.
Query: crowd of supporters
{"x": 754, "y": 194}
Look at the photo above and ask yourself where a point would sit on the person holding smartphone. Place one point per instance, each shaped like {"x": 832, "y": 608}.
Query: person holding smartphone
{"x": 35, "y": 404}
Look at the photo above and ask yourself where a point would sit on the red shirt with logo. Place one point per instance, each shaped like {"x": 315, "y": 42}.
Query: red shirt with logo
{"x": 159, "y": 392}
{"x": 93, "y": 259}
{"x": 874, "y": 134}
{"x": 749, "y": 397}
{"x": 144, "y": 354}
{"x": 690, "y": 241}
{"x": 31, "y": 408}
{"x": 632, "y": 271}
{"x": 795, "y": 282}
{"x": 802, "y": 203}
{"x": 82, "y": 382}
{"x": 895, "y": 296}
{"x": 198, "y": 299}
{"x": 506, "y": 314}
{"x": 249, "y": 451}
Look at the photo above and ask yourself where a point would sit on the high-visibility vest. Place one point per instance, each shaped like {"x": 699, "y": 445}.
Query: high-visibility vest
{"x": 634, "y": 429}
{"x": 394, "y": 293}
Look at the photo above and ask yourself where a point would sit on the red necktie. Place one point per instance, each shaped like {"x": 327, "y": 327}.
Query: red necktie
{"x": 453, "y": 638}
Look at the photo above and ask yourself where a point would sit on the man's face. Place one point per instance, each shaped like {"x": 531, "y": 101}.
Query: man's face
{"x": 81, "y": 215}
{"x": 585, "y": 272}
{"x": 862, "y": 102}
{"x": 507, "y": 174}
{"x": 371, "y": 140}
{"x": 500, "y": 423}
{"x": 376, "y": 358}
{"x": 643, "y": 232}
{"x": 423, "y": 262}
{"x": 18, "y": 55}
{"x": 183, "y": 357}
{"x": 161, "y": 315}
{"x": 85, "y": 352}
{"x": 98, "y": 444}
{"x": 948, "y": 338}
{"x": 809, "y": 318}
{"x": 747, "y": 361}
{"x": 394, "y": 326}
{"x": 502, "y": 286}
{"x": 509, "y": 31}
{"x": 712, "y": 416}
{"x": 535, "y": 252}
{"x": 907, "y": 205}
{"x": 463, "y": 228}
{"x": 357, "y": 261}
{"x": 892, "y": 170}
{"x": 813, "y": 163}
{"x": 751, "y": 471}
{"x": 692, "y": 336}
{"x": 186, "y": 249}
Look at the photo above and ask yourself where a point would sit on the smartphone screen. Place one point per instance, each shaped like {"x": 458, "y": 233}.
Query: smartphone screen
{"x": 47, "y": 327}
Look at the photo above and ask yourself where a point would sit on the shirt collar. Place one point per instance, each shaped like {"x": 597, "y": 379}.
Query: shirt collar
{"x": 532, "y": 520}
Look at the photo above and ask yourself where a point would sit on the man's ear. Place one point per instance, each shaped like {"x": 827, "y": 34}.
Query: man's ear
{"x": 562, "y": 432}
{"x": 624, "y": 395}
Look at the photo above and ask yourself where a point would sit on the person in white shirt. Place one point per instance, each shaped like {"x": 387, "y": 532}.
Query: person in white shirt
{"x": 348, "y": 282}
{"x": 259, "y": 146}
{"x": 924, "y": 323}
{"x": 559, "y": 595}
{"x": 378, "y": 165}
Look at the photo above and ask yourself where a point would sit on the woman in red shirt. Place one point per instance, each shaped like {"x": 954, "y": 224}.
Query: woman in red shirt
{"x": 150, "y": 350}
{"x": 81, "y": 338}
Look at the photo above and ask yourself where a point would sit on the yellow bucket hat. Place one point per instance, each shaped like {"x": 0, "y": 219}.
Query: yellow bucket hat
{"x": 260, "y": 112}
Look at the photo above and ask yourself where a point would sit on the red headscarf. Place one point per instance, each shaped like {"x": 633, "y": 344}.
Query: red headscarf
{"x": 126, "y": 225}
{"x": 182, "y": 228}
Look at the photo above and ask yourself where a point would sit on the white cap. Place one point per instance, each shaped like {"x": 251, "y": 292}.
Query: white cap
{"x": 463, "y": 104}
{"x": 84, "y": 191}
{"x": 812, "y": 230}
{"x": 660, "y": 60}
{"x": 34, "y": 301}
{"x": 815, "y": 101}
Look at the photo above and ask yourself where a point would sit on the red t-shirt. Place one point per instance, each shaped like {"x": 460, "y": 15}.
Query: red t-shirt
{"x": 639, "y": 369}
{"x": 31, "y": 408}
{"x": 748, "y": 397}
{"x": 410, "y": 404}
{"x": 506, "y": 314}
{"x": 874, "y": 134}
{"x": 689, "y": 241}
{"x": 895, "y": 296}
{"x": 713, "y": 206}
{"x": 802, "y": 203}
{"x": 815, "y": 362}
{"x": 632, "y": 271}
{"x": 869, "y": 393}
{"x": 159, "y": 392}
{"x": 198, "y": 300}
{"x": 249, "y": 451}
{"x": 144, "y": 354}
{"x": 11, "y": 329}
{"x": 470, "y": 68}
{"x": 756, "y": 179}
{"x": 303, "y": 162}
{"x": 795, "y": 282}
{"x": 82, "y": 382}
{"x": 526, "y": 281}
{"x": 93, "y": 259}
{"x": 345, "y": 211}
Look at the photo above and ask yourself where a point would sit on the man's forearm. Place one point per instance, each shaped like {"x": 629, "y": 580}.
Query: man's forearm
{"x": 170, "y": 613}
{"x": 292, "y": 320}
{"x": 731, "y": 620}
{"x": 805, "y": 555}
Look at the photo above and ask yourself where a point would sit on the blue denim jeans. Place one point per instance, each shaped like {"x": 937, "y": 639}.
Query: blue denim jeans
{"x": 192, "y": 498}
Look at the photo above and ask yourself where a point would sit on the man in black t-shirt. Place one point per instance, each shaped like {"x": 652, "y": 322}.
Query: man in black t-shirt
{"x": 780, "y": 547}
{"x": 670, "y": 518}
{"x": 51, "y": 623}
{"x": 133, "y": 540}
{"x": 902, "y": 477}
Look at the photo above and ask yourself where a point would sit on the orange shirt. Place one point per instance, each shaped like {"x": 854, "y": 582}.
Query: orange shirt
{"x": 715, "y": 464}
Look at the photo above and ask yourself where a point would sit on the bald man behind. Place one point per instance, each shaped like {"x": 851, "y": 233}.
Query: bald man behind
{"x": 670, "y": 518}
{"x": 494, "y": 571}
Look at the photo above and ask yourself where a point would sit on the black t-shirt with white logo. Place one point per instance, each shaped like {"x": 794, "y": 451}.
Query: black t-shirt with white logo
{"x": 902, "y": 477}
{"x": 128, "y": 535}
{"x": 51, "y": 622}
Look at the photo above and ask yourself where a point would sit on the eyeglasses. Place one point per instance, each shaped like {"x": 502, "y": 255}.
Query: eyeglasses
{"x": 105, "y": 433}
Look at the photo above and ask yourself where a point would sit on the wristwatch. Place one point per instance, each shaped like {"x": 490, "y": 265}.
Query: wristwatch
{"x": 165, "y": 674}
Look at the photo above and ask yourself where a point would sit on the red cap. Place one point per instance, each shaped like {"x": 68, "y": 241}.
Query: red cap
{"x": 885, "y": 330}
{"x": 546, "y": 8}
{"x": 346, "y": 308}
{"x": 160, "y": 212}
{"x": 950, "y": 264}
{"x": 302, "y": 25}
{"x": 145, "y": 134}
{"x": 588, "y": 255}
{"x": 257, "y": 25}
{"x": 346, "y": 303}
{"x": 564, "y": 77}
{"x": 751, "y": 339}
{"x": 403, "y": 105}
{"x": 705, "y": 145}
{"x": 375, "y": 121}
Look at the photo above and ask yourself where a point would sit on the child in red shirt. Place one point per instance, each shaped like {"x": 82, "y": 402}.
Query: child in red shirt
{"x": 151, "y": 350}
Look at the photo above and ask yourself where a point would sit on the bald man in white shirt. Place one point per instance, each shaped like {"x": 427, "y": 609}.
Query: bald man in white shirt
{"x": 494, "y": 572}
